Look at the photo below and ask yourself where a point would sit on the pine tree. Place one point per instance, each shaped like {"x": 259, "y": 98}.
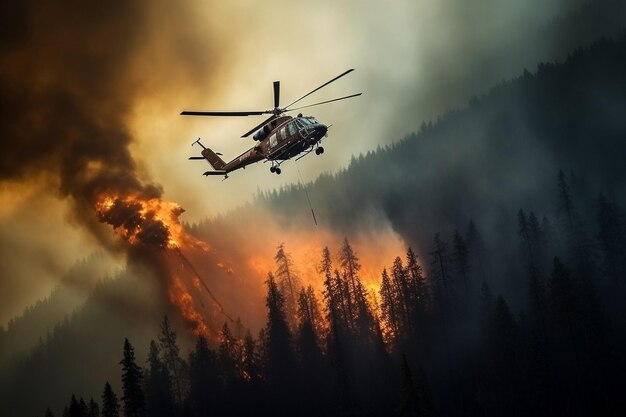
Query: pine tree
{"x": 330, "y": 292}
{"x": 326, "y": 265}
{"x": 251, "y": 360}
{"x": 401, "y": 295}
{"x": 280, "y": 358}
{"x": 82, "y": 406}
{"x": 204, "y": 387}
{"x": 76, "y": 408}
{"x": 440, "y": 270}
{"x": 94, "y": 410}
{"x": 226, "y": 356}
{"x": 388, "y": 307}
{"x": 309, "y": 311}
{"x": 132, "y": 380}
{"x": 171, "y": 359}
{"x": 420, "y": 299}
{"x": 110, "y": 405}
{"x": 417, "y": 280}
{"x": 312, "y": 373}
{"x": 461, "y": 259}
{"x": 159, "y": 396}
{"x": 288, "y": 283}
{"x": 280, "y": 355}
{"x": 355, "y": 294}
{"x": 49, "y": 413}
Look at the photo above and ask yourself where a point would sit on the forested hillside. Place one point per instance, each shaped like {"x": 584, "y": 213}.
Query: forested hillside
{"x": 507, "y": 300}
{"x": 484, "y": 163}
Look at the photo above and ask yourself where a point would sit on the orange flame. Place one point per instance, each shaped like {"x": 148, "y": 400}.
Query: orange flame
{"x": 180, "y": 296}
{"x": 155, "y": 222}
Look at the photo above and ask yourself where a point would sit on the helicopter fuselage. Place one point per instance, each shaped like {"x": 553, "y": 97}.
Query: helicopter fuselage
{"x": 286, "y": 138}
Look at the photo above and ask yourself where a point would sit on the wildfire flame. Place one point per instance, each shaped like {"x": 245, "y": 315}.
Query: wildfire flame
{"x": 181, "y": 297}
{"x": 152, "y": 221}
{"x": 155, "y": 222}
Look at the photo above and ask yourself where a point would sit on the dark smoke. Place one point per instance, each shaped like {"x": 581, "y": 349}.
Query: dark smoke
{"x": 68, "y": 82}
{"x": 70, "y": 76}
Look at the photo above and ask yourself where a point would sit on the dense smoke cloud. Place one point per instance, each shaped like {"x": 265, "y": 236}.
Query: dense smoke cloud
{"x": 70, "y": 75}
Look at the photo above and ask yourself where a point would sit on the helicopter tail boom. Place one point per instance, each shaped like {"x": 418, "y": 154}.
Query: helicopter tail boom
{"x": 216, "y": 162}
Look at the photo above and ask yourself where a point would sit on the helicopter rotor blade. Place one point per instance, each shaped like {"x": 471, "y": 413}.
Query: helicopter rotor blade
{"x": 321, "y": 86}
{"x": 276, "y": 94}
{"x": 327, "y": 101}
{"x": 260, "y": 125}
{"x": 224, "y": 113}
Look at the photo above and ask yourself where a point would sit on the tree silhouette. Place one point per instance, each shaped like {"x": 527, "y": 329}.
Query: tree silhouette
{"x": 203, "y": 377}
{"x": 288, "y": 283}
{"x": 132, "y": 380}
{"x": 461, "y": 259}
{"x": 251, "y": 364}
{"x": 171, "y": 358}
{"x": 159, "y": 396}
{"x": 110, "y": 405}
{"x": 226, "y": 356}
{"x": 76, "y": 408}
{"x": 402, "y": 294}
{"x": 440, "y": 271}
{"x": 94, "y": 410}
{"x": 280, "y": 365}
{"x": 388, "y": 306}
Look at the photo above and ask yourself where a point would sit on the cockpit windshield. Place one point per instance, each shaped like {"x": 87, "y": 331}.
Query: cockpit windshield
{"x": 306, "y": 121}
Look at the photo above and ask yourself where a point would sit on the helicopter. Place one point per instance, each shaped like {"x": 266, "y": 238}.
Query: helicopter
{"x": 280, "y": 137}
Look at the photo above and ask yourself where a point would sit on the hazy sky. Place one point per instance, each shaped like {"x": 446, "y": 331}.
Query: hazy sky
{"x": 128, "y": 70}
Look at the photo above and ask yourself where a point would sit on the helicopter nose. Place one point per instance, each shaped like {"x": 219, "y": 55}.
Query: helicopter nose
{"x": 321, "y": 130}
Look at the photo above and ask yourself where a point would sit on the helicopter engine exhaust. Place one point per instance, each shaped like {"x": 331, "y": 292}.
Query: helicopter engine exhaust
{"x": 262, "y": 133}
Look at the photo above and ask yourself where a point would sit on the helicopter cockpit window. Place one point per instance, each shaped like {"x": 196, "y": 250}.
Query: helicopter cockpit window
{"x": 292, "y": 128}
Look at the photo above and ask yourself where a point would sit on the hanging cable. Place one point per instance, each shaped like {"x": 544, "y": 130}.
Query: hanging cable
{"x": 305, "y": 192}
